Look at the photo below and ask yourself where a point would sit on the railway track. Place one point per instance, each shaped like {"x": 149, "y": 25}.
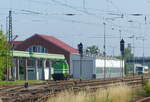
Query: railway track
{"x": 146, "y": 99}
{"x": 41, "y": 92}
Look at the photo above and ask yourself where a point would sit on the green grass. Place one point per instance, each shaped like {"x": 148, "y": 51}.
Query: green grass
{"x": 19, "y": 82}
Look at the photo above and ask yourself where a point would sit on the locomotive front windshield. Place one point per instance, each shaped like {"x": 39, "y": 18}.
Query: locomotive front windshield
{"x": 139, "y": 69}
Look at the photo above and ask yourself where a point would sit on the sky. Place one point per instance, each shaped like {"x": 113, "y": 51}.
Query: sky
{"x": 86, "y": 24}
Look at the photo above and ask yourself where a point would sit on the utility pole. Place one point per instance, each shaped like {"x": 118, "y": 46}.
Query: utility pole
{"x": 143, "y": 40}
{"x": 133, "y": 56}
{"x": 1, "y": 27}
{"x": 113, "y": 51}
{"x": 84, "y": 4}
{"x": 10, "y": 41}
{"x": 120, "y": 34}
{"x": 7, "y": 27}
{"x": 133, "y": 46}
{"x": 104, "y": 50}
{"x": 143, "y": 50}
{"x": 10, "y": 26}
{"x": 7, "y": 69}
{"x": 143, "y": 56}
{"x": 120, "y": 51}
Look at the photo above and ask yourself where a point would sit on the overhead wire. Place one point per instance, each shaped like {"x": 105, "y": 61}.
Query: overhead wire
{"x": 29, "y": 12}
{"x": 41, "y": 2}
{"x": 74, "y": 21}
{"x": 86, "y": 12}
{"x": 74, "y": 8}
{"x": 113, "y": 4}
{"x": 65, "y": 4}
{"x": 77, "y": 9}
{"x": 147, "y": 1}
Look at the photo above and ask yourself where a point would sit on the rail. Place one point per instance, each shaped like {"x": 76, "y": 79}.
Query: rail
{"x": 41, "y": 92}
{"x": 147, "y": 99}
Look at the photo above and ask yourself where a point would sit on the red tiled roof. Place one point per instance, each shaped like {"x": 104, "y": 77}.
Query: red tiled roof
{"x": 59, "y": 43}
{"x": 17, "y": 42}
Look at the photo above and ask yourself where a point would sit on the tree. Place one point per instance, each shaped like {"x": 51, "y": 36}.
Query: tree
{"x": 127, "y": 54}
{"x": 5, "y": 58}
{"x": 92, "y": 50}
{"x": 128, "y": 66}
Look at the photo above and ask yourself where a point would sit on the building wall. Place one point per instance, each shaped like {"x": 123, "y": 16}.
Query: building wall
{"x": 113, "y": 68}
{"x": 92, "y": 66}
{"x": 31, "y": 74}
{"x": 87, "y": 66}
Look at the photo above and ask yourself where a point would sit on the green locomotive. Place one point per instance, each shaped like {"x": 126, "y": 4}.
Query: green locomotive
{"x": 61, "y": 70}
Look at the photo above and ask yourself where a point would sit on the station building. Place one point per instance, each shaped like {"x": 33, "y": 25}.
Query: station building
{"x": 45, "y": 44}
{"x": 33, "y": 65}
{"x": 39, "y": 45}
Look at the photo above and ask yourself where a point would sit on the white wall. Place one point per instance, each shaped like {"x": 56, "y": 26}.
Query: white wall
{"x": 109, "y": 63}
{"x": 46, "y": 71}
{"x": 114, "y": 68}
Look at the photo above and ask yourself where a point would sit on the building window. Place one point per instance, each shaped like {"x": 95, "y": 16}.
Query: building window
{"x": 30, "y": 50}
{"x": 37, "y": 48}
{"x": 34, "y": 49}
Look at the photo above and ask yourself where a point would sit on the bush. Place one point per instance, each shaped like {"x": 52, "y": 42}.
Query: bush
{"x": 5, "y": 56}
{"x": 147, "y": 87}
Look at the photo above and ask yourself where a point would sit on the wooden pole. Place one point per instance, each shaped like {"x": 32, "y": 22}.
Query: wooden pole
{"x": 26, "y": 70}
{"x": 17, "y": 69}
{"x": 43, "y": 69}
{"x": 36, "y": 69}
{"x": 50, "y": 65}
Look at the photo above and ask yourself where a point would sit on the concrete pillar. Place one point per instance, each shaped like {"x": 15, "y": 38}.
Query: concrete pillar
{"x": 26, "y": 70}
{"x": 43, "y": 69}
{"x": 13, "y": 69}
{"x": 17, "y": 69}
{"x": 36, "y": 69}
{"x": 50, "y": 65}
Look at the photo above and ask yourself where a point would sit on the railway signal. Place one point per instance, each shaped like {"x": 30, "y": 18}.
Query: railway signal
{"x": 122, "y": 50}
{"x": 122, "y": 47}
{"x": 80, "y": 49}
